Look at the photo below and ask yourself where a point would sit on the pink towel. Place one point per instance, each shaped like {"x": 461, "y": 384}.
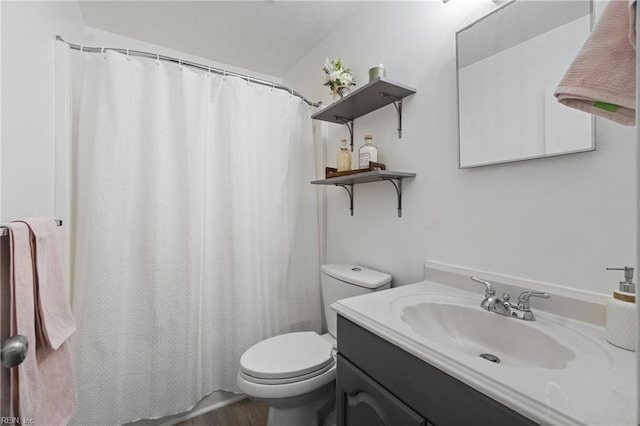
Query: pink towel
{"x": 602, "y": 78}
{"x": 45, "y": 380}
{"x": 54, "y": 312}
{"x": 7, "y": 319}
{"x": 24, "y": 378}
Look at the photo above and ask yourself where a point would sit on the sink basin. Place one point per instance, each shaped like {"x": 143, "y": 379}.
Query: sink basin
{"x": 474, "y": 331}
{"x": 459, "y": 324}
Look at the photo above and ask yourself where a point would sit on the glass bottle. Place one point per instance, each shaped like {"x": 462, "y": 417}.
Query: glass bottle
{"x": 367, "y": 153}
{"x": 344, "y": 157}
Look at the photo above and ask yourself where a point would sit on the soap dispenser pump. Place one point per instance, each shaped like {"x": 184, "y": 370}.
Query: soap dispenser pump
{"x": 621, "y": 312}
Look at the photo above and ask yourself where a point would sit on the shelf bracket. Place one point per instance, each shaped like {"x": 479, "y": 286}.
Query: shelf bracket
{"x": 397, "y": 102}
{"x": 349, "y": 123}
{"x": 349, "y": 189}
{"x": 397, "y": 184}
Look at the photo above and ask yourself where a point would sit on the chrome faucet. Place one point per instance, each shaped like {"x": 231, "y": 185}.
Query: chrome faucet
{"x": 503, "y": 306}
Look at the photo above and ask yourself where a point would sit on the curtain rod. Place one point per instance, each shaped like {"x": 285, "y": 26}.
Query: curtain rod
{"x": 219, "y": 71}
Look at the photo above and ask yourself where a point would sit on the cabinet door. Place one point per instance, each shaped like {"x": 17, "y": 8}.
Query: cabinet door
{"x": 363, "y": 402}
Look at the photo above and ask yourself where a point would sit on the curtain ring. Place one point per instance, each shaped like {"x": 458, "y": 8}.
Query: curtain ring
{"x": 180, "y": 64}
{"x": 209, "y": 73}
{"x": 224, "y": 75}
{"x": 247, "y": 77}
{"x": 81, "y": 49}
{"x": 273, "y": 86}
{"x": 128, "y": 57}
{"x": 157, "y": 59}
{"x": 290, "y": 95}
{"x": 102, "y": 52}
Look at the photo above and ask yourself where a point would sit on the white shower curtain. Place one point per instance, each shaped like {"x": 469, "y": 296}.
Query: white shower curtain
{"x": 196, "y": 233}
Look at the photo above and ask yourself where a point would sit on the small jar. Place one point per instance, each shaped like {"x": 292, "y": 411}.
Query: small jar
{"x": 376, "y": 72}
{"x": 344, "y": 157}
{"x": 367, "y": 153}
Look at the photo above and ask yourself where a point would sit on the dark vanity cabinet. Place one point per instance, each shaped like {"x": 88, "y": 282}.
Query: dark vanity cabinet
{"x": 381, "y": 384}
{"x": 363, "y": 402}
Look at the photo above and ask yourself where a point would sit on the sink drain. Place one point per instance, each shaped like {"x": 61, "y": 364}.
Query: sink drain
{"x": 490, "y": 357}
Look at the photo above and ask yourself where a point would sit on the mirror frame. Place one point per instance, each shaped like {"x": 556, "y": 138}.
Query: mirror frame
{"x": 516, "y": 160}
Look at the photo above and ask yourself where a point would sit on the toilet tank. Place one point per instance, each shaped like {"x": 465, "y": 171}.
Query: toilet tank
{"x": 340, "y": 281}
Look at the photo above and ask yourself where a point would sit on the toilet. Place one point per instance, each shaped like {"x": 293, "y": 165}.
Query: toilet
{"x": 294, "y": 373}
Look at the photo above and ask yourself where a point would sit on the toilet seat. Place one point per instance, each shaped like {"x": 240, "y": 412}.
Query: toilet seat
{"x": 285, "y": 381}
{"x": 287, "y": 358}
{"x": 287, "y": 365}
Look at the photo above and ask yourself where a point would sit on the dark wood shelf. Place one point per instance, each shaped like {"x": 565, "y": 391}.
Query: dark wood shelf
{"x": 362, "y": 101}
{"x": 372, "y": 176}
{"x": 347, "y": 182}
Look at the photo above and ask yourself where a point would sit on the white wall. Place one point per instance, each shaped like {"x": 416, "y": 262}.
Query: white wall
{"x": 28, "y": 93}
{"x": 559, "y": 220}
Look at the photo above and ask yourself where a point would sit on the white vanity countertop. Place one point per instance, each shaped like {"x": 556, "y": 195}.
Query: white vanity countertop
{"x": 603, "y": 396}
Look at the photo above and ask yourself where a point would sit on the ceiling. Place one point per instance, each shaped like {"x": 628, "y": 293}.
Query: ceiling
{"x": 269, "y": 37}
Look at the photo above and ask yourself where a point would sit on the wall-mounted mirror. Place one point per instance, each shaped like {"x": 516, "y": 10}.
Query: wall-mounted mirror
{"x": 509, "y": 64}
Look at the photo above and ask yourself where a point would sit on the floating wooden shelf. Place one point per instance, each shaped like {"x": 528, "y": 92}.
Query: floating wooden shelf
{"x": 348, "y": 181}
{"x": 362, "y": 101}
{"x": 366, "y": 99}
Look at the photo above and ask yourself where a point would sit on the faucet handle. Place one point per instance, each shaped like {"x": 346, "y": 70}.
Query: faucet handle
{"x": 489, "y": 294}
{"x": 523, "y": 299}
{"x": 489, "y": 290}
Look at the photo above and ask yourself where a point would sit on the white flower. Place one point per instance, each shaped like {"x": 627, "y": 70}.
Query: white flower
{"x": 336, "y": 75}
{"x": 346, "y": 78}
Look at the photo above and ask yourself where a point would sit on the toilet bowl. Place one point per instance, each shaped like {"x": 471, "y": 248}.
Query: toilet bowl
{"x": 294, "y": 373}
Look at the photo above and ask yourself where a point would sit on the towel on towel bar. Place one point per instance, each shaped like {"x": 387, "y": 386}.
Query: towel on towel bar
{"x": 54, "y": 311}
{"x": 45, "y": 381}
{"x": 602, "y": 78}
{"x": 24, "y": 378}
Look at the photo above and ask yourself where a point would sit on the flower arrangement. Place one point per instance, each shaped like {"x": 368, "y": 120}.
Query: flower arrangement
{"x": 337, "y": 78}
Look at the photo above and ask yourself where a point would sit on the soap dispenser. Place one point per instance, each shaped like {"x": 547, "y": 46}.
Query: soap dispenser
{"x": 621, "y": 312}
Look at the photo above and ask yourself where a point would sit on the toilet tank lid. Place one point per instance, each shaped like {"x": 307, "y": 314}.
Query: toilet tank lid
{"x": 356, "y": 275}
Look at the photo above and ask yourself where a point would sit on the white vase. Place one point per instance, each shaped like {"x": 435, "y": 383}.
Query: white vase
{"x": 340, "y": 92}
{"x": 343, "y": 91}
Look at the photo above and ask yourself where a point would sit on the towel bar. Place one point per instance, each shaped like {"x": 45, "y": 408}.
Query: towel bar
{"x": 3, "y": 228}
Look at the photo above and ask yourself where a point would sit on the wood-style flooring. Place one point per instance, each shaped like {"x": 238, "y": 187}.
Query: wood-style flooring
{"x": 241, "y": 413}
